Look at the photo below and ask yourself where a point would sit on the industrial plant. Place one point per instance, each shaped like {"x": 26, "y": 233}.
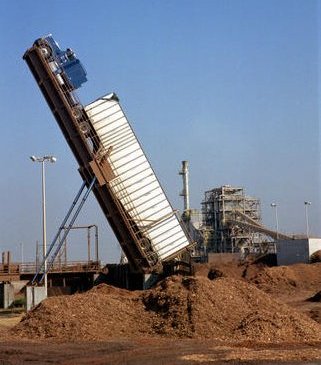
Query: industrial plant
{"x": 211, "y": 273}
{"x": 156, "y": 241}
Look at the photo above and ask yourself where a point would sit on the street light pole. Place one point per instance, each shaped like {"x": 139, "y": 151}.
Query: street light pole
{"x": 42, "y": 160}
{"x": 306, "y": 204}
{"x": 44, "y": 220}
{"x": 275, "y": 206}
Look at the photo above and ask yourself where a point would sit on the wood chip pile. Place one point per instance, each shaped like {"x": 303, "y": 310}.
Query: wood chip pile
{"x": 226, "y": 308}
{"x": 280, "y": 279}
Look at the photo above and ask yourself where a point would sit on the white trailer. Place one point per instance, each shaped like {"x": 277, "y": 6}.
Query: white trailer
{"x": 135, "y": 183}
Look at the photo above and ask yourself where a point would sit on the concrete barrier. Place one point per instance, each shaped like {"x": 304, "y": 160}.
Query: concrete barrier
{"x": 6, "y": 295}
{"x": 34, "y": 296}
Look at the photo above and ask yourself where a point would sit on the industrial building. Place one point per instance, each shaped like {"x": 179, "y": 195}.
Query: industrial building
{"x": 233, "y": 222}
{"x": 230, "y": 221}
{"x": 221, "y": 208}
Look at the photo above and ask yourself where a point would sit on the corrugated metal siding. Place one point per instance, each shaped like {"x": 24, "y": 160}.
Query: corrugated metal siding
{"x": 136, "y": 185}
{"x": 291, "y": 252}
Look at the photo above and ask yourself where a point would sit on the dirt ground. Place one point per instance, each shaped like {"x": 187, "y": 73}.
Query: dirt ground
{"x": 246, "y": 314}
{"x": 156, "y": 352}
{"x": 8, "y": 321}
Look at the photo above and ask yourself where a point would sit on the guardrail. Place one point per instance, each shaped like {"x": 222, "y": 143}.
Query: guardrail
{"x": 32, "y": 268}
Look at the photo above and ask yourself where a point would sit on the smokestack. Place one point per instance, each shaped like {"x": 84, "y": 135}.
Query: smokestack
{"x": 185, "y": 192}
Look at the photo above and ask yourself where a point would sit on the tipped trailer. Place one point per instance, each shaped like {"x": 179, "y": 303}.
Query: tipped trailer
{"x": 111, "y": 162}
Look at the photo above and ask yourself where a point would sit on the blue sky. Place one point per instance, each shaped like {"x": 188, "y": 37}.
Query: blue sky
{"x": 231, "y": 86}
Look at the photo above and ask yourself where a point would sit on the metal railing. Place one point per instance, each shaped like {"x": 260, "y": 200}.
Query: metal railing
{"x": 31, "y": 268}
